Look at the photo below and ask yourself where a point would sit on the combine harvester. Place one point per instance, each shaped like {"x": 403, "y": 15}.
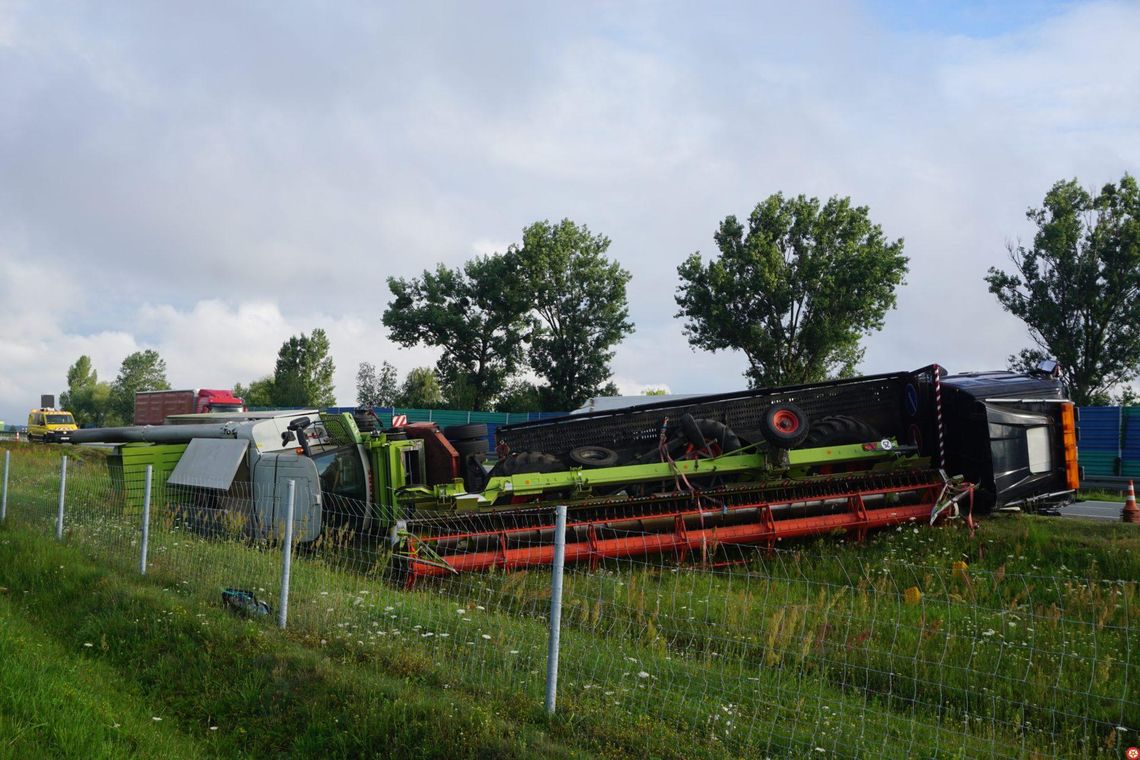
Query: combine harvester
{"x": 683, "y": 477}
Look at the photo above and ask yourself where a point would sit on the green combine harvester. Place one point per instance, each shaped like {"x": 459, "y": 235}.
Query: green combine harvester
{"x": 680, "y": 477}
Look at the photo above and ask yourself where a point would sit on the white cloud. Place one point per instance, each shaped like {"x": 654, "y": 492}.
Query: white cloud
{"x": 209, "y": 189}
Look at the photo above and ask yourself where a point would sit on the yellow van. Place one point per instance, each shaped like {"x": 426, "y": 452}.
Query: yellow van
{"x": 50, "y": 426}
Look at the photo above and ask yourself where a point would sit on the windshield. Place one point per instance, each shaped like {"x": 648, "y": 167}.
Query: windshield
{"x": 342, "y": 473}
{"x": 60, "y": 419}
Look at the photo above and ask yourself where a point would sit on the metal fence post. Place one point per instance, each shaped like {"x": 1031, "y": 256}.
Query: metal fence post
{"x": 555, "y": 608}
{"x": 62, "y": 493}
{"x": 286, "y": 559}
{"x": 4, "y": 497}
{"x": 146, "y": 519}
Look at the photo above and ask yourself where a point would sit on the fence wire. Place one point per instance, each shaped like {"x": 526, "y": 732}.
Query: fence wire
{"x": 905, "y": 648}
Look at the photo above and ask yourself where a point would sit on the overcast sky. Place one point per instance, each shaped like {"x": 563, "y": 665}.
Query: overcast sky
{"x": 207, "y": 179}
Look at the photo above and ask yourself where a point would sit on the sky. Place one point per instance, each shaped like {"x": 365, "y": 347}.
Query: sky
{"x": 207, "y": 179}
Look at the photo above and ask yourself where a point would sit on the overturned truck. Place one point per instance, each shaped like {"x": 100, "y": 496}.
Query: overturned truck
{"x": 692, "y": 475}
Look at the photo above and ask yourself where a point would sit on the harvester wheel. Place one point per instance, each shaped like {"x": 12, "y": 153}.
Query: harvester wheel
{"x": 839, "y": 430}
{"x": 701, "y": 432}
{"x": 594, "y": 456}
{"x": 785, "y": 425}
{"x": 465, "y": 432}
{"x": 467, "y": 448}
{"x": 532, "y": 461}
{"x": 693, "y": 431}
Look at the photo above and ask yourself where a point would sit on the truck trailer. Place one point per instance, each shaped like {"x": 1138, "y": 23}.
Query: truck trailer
{"x": 153, "y": 407}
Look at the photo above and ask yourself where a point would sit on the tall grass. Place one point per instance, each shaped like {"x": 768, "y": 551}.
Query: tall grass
{"x": 1017, "y": 641}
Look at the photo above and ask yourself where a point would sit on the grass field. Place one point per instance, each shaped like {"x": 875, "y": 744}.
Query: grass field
{"x": 882, "y": 649}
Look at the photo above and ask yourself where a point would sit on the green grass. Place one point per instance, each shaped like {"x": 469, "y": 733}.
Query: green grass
{"x": 105, "y": 654}
{"x": 1032, "y": 649}
{"x": 1094, "y": 494}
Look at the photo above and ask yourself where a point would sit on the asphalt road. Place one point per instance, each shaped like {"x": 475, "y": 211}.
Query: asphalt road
{"x": 1096, "y": 510}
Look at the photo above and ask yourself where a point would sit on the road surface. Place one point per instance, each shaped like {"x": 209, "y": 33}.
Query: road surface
{"x": 1097, "y": 510}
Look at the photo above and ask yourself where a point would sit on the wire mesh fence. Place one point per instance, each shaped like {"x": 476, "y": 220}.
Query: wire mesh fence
{"x": 909, "y": 646}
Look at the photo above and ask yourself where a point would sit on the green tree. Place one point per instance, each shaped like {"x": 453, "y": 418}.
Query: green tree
{"x": 520, "y": 396}
{"x": 376, "y": 388}
{"x": 476, "y": 314}
{"x": 420, "y": 390}
{"x": 86, "y": 398}
{"x": 259, "y": 393}
{"x": 1077, "y": 288}
{"x": 579, "y": 298}
{"x": 303, "y": 376}
{"x": 796, "y": 290}
{"x": 140, "y": 371}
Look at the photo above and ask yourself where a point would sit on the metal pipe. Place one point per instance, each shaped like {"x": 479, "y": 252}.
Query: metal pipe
{"x": 155, "y": 433}
{"x": 555, "y": 608}
{"x": 286, "y": 558}
{"x": 62, "y": 493}
{"x": 4, "y": 498}
{"x": 145, "y": 519}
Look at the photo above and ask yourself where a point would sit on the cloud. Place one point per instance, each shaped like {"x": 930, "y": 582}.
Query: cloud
{"x": 209, "y": 180}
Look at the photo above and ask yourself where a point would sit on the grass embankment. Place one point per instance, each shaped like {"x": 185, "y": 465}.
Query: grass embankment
{"x": 97, "y": 664}
{"x": 1032, "y": 649}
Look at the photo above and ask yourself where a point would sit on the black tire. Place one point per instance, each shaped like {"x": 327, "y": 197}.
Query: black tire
{"x": 785, "y": 425}
{"x": 692, "y": 431}
{"x": 467, "y": 448}
{"x": 700, "y": 432}
{"x": 465, "y": 432}
{"x": 594, "y": 456}
{"x": 474, "y": 477}
{"x": 532, "y": 461}
{"x": 839, "y": 430}
{"x": 396, "y": 434}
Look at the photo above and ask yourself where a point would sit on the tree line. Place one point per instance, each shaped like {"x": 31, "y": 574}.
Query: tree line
{"x": 796, "y": 288}
{"x": 302, "y": 377}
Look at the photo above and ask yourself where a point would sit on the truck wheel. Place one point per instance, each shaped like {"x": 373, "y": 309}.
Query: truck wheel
{"x": 839, "y": 430}
{"x": 465, "y": 432}
{"x": 594, "y": 456}
{"x": 785, "y": 425}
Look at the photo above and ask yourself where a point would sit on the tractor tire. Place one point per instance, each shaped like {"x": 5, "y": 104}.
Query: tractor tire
{"x": 839, "y": 430}
{"x": 594, "y": 456}
{"x": 692, "y": 431}
{"x": 465, "y": 432}
{"x": 785, "y": 425}
{"x": 532, "y": 461}
{"x": 702, "y": 431}
{"x": 468, "y": 448}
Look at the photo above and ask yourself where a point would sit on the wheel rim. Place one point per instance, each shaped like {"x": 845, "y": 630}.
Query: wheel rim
{"x": 786, "y": 421}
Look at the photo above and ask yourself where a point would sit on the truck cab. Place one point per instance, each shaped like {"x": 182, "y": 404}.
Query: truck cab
{"x": 50, "y": 426}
